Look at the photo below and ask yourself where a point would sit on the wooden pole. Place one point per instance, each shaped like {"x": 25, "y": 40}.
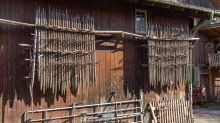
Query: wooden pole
{"x": 141, "y": 96}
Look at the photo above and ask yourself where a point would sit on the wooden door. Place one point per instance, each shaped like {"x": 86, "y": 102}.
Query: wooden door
{"x": 205, "y": 85}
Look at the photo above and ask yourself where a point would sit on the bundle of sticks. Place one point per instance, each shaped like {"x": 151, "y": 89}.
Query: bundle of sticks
{"x": 168, "y": 55}
{"x": 64, "y": 58}
{"x": 168, "y": 62}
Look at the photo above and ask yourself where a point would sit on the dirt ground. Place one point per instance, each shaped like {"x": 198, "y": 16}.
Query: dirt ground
{"x": 210, "y": 114}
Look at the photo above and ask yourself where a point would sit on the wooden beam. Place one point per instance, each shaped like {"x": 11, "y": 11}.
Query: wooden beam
{"x": 199, "y": 23}
{"x": 213, "y": 31}
{"x": 210, "y": 86}
{"x": 195, "y": 12}
{"x": 120, "y": 35}
{"x": 213, "y": 26}
{"x": 144, "y": 2}
{"x": 177, "y": 8}
{"x": 199, "y": 16}
{"x": 152, "y": 111}
{"x": 190, "y": 11}
{"x": 116, "y": 44}
{"x": 203, "y": 13}
{"x": 141, "y": 96}
{"x": 218, "y": 39}
{"x": 162, "y": 5}
{"x": 133, "y": 1}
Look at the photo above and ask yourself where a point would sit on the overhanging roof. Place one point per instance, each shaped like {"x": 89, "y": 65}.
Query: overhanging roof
{"x": 217, "y": 3}
{"x": 212, "y": 31}
{"x": 194, "y": 11}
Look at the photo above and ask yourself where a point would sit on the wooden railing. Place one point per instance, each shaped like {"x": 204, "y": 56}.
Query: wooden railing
{"x": 214, "y": 60}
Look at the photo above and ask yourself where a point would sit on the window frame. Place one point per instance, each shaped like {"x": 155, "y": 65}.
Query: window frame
{"x": 145, "y": 18}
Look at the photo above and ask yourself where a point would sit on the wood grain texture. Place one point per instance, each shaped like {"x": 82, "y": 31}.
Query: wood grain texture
{"x": 109, "y": 15}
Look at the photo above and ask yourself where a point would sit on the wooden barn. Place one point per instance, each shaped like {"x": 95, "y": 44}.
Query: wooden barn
{"x": 100, "y": 60}
{"x": 207, "y": 60}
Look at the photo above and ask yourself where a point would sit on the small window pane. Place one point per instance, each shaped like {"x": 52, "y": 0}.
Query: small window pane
{"x": 142, "y": 18}
{"x": 142, "y": 21}
{"x": 138, "y": 18}
{"x": 138, "y": 27}
{"x": 142, "y": 28}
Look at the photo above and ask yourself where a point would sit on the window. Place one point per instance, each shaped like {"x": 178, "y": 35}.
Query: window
{"x": 140, "y": 21}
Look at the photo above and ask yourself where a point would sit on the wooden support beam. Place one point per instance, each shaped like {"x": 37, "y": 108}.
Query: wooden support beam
{"x": 144, "y": 2}
{"x": 101, "y": 36}
{"x": 133, "y": 1}
{"x": 152, "y": 111}
{"x": 190, "y": 11}
{"x": 26, "y": 45}
{"x": 218, "y": 39}
{"x": 199, "y": 23}
{"x": 213, "y": 31}
{"x": 141, "y": 96}
{"x": 162, "y": 5}
{"x": 210, "y": 85}
{"x": 210, "y": 27}
{"x": 120, "y": 35}
{"x": 195, "y": 12}
{"x": 199, "y": 16}
{"x": 177, "y": 8}
{"x": 116, "y": 44}
{"x": 203, "y": 13}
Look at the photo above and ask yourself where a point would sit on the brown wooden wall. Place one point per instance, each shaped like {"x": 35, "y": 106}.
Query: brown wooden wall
{"x": 109, "y": 15}
{"x": 199, "y": 53}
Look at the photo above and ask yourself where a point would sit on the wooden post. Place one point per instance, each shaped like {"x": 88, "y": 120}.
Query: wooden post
{"x": 210, "y": 85}
{"x": 141, "y": 95}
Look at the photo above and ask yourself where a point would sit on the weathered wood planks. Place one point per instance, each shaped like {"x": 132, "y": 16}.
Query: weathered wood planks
{"x": 64, "y": 58}
{"x": 170, "y": 111}
{"x": 48, "y": 100}
{"x": 167, "y": 59}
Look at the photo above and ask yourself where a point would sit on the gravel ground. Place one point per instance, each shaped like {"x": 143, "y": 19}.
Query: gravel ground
{"x": 210, "y": 114}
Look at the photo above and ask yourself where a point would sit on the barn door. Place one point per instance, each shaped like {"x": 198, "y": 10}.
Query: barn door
{"x": 204, "y": 85}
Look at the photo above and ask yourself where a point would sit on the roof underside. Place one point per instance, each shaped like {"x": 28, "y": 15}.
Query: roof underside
{"x": 217, "y": 3}
{"x": 212, "y": 31}
{"x": 197, "y": 9}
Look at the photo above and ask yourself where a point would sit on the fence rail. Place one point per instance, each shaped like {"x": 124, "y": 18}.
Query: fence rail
{"x": 119, "y": 112}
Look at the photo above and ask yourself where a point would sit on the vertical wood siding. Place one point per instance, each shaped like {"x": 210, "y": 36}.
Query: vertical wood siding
{"x": 116, "y": 62}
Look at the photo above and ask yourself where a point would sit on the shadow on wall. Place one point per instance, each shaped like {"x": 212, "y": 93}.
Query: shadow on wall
{"x": 120, "y": 59}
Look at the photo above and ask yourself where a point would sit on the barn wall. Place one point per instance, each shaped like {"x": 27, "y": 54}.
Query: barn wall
{"x": 199, "y": 53}
{"x": 109, "y": 15}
